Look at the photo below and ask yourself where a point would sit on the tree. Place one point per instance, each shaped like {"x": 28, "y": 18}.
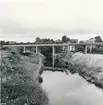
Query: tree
{"x": 65, "y": 39}
{"x": 39, "y": 41}
{"x": 98, "y": 39}
{"x": 81, "y": 41}
{"x": 2, "y": 42}
{"x": 74, "y": 40}
{"x": 48, "y": 41}
{"x": 58, "y": 41}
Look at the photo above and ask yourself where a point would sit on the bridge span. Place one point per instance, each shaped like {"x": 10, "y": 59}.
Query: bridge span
{"x": 53, "y": 47}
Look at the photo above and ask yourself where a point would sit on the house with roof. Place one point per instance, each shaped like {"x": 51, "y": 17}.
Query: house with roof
{"x": 70, "y": 48}
{"x": 91, "y": 40}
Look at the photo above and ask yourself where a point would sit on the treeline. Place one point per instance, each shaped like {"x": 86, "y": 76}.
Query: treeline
{"x": 64, "y": 39}
{"x": 39, "y": 40}
{"x": 98, "y": 49}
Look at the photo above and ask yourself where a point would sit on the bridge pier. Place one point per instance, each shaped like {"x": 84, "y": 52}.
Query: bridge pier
{"x": 38, "y": 50}
{"x": 91, "y": 49}
{"x": 68, "y": 49}
{"x": 53, "y": 56}
{"x": 85, "y": 51}
{"x": 24, "y": 49}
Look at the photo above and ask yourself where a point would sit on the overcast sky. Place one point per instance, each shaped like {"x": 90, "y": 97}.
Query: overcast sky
{"x": 24, "y": 20}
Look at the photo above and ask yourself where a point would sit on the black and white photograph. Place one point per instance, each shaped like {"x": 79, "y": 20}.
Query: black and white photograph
{"x": 51, "y": 52}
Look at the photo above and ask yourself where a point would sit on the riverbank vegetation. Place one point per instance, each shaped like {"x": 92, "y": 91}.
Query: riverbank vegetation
{"x": 20, "y": 79}
{"x": 89, "y": 66}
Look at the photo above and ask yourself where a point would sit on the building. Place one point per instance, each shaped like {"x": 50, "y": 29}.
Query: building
{"x": 70, "y": 48}
{"x": 92, "y": 40}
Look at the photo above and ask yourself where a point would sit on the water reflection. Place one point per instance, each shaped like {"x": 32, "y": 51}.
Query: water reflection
{"x": 70, "y": 89}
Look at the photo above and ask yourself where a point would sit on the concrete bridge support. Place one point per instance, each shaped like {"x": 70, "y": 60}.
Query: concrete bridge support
{"x": 53, "y": 56}
{"x": 91, "y": 47}
{"x": 85, "y": 51}
{"x": 24, "y": 49}
{"x": 68, "y": 49}
{"x": 38, "y": 50}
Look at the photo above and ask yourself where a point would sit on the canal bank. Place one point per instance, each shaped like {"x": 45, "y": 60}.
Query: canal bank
{"x": 89, "y": 66}
{"x": 20, "y": 79}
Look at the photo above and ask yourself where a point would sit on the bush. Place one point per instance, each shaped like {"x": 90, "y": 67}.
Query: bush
{"x": 17, "y": 85}
{"x": 21, "y": 93}
{"x": 98, "y": 50}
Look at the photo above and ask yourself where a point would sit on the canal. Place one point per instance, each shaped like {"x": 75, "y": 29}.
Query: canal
{"x": 70, "y": 89}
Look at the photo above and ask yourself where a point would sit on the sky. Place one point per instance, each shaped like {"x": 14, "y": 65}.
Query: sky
{"x": 24, "y": 20}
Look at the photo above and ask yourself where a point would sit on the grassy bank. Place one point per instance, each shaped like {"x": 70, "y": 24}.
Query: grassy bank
{"x": 20, "y": 79}
{"x": 89, "y": 66}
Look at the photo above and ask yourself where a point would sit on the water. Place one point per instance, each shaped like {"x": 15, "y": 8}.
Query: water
{"x": 70, "y": 89}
